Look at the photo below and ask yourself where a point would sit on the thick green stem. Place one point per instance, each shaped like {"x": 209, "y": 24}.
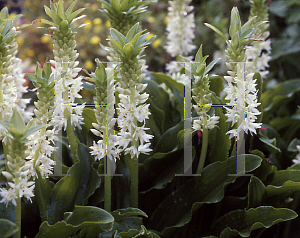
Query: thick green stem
{"x": 134, "y": 182}
{"x": 107, "y": 184}
{"x": 18, "y": 217}
{"x": 203, "y": 150}
{"x": 73, "y": 141}
{"x": 38, "y": 192}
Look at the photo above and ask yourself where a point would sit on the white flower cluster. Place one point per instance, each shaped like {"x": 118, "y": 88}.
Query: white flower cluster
{"x": 132, "y": 111}
{"x": 23, "y": 187}
{"x": 209, "y": 123}
{"x": 259, "y": 54}
{"x": 39, "y": 150}
{"x": 67, "y": 85}
{"x": 180, "y": 28}
{"x": 18, "y": 174}
{"x": 9, "y": 91}
{"x": 108, "y": 143}
{"x": 242, "y": 94}
{"x": 21, "y": 89}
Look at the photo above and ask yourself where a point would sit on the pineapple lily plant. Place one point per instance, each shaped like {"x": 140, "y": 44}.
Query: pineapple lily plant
{"x": 123, "y": 166}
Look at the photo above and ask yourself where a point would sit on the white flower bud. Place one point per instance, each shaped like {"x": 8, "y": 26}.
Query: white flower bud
{"x": 7, "y": 175}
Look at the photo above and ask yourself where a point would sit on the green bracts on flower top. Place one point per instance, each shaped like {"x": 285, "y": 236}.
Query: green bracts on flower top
{"x": 63, "y": 20}
{"x": 7, "y": 38}
{"x": 44, "y": 81}
{"x": 128, "y": 47}
{"x": 123, "y": 13}
{"x": 240, "y": 35}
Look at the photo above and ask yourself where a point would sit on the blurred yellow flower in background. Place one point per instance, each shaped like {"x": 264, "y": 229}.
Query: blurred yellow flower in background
{"x": 95, "y": 40}
{"x": 156, "y": 43}
{"x": 45, "y": 39}
{"x": 97, "y": 21}
{"x": 89, "y": 64}
{"x": 107, "y": 24}
{"x": 29, "y": 52}
{"x": 166, "y": 20}
{"x": 94, "y": 7}
{"x": 150, "y": 19}
{"x": 20, "y": 40}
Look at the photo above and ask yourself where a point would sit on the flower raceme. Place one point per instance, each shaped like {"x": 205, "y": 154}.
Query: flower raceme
{"x": 180, "y": 28}
{"x": 258, "y": 52}
{"x": 132, "y": 110}
{"x": 68, "y": 86}
{"x": 40, "y": 145}
{"x": 107, "y": 145}
{"x": 18, "y": 171}
{"x": 201, "y": 93}
{"x": 241, "y": 89}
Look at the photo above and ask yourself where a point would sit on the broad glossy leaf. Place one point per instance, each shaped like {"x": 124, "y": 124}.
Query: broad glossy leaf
{"x": 219, "y": 142}
{"x": 7, "y": 228}
{"x": 293, "y": 145}
{"x": 171, "y": 83}
{"x": 280, "y": 94}
{"x": 284, "y": 191}
{"x": 74, "y": 189}
{"x": 281, "y": 176}
{"x": 120, "y": 214}
{"x": 90, "y": 220}
{"x": 88, "y": 115}
{"x": 42, "y": 191}
{"x": 160, "y": 169}
{"x": 242, "y": 222}
{"x": 256, "y": 190}
{"x": 177, "y": 209}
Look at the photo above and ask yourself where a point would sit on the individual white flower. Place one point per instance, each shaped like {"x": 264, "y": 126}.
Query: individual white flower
{"x": 8, "y": 195}
{"x": 297, "y": 160}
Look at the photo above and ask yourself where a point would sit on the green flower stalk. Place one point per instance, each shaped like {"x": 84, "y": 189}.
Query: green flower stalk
{"x": 241, "y": 91}
{"x": 202, "y": 97}
{"x": 105, "y": 148}
{"x": 67, "y": 113}
{"x": 132, "y": 112}
{"x": 259, "y": 51}
{"x": 17, "y": 171}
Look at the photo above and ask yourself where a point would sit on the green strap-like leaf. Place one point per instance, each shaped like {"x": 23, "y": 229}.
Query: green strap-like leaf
{"x": 242, "y": 222}
{"x": 217, "y": 31}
